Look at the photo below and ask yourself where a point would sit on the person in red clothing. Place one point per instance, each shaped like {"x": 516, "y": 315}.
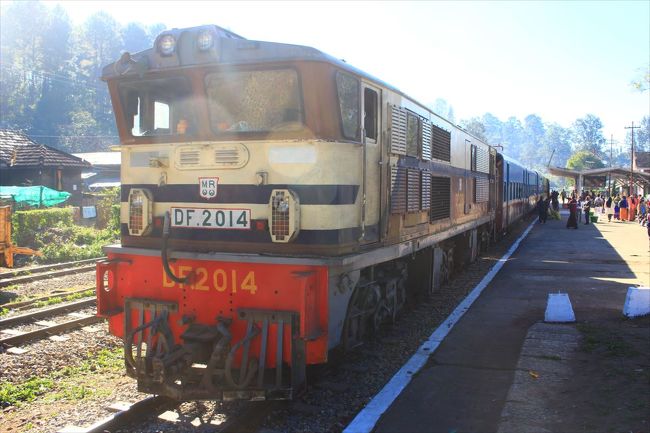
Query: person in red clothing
{"x": 624, "y": 205}
{"x": 632, "y": 202}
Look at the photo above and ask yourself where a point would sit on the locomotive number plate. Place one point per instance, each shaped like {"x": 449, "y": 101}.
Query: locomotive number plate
{"x": 191, "y": 217}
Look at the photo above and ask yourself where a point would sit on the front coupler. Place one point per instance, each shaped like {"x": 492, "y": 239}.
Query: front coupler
{"x": 209, "y": 365}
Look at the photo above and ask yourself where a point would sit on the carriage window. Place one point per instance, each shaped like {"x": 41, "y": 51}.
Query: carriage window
{"x": 348, "y": 91}
{"x": 370, "y": 113}
{"x": 412, "y": 134}
{"x": 254, "y": 101}
{"x": 158, "y": 107}
{"x": 472, "y": 157}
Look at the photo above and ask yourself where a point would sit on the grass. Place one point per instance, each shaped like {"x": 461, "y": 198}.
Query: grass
{"x": 598, "y": 339}
{"x": 27, "y": 391}
{"x": 68, "y": 298}
{"x": 69, "y": 383}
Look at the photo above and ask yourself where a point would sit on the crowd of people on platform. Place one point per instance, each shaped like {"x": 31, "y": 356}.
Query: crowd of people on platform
{"x": 621, "y": 207}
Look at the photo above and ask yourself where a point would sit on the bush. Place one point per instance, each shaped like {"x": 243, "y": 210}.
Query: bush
{"x": 108, "y": 209}
{"x": 53, "y": 233}
{"x": 28, "y": 224}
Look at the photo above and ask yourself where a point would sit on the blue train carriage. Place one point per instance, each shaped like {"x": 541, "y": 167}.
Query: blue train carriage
{"x": 519, "y": 190}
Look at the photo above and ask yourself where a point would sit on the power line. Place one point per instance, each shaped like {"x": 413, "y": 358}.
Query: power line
{"x": 55, "y": 77}
{"x": 74, "y": 136}
{"x": 632, "y": 156}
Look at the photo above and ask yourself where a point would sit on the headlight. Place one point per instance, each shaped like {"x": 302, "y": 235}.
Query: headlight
{"x": 140, "y": 212}
{"x": 204, "y": 40}
{"x": 166, "y": 45}
{"x": 285, "y": 215}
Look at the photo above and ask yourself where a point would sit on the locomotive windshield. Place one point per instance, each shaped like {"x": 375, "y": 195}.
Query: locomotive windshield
{"x": 158, "y": 107}
{"x": 254, "y": 101}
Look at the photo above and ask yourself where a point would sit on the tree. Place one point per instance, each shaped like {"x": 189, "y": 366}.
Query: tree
{"x": 588, "y": 134}
{"x": 475, "y": 127}
{"x": 584, "y": 160}
{"x": 443, "y": 109}
{"x": 642, "y": 82}
{"x": 642, "y": 136}
{"x": 135, "y": 38}
{"x": 512, "y": 137}
{"x": 534, "y": 132}
{"x": 557, "y": 143}
{"x": 493, "y": 128}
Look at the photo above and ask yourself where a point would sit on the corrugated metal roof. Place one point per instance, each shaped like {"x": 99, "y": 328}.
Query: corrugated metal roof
{"x": 101, "y": 158}
{"x": 18, "y": 150}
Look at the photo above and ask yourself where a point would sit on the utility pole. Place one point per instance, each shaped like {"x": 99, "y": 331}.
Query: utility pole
{"x": 609, "y": 175}
{"x": 632, "y": 158}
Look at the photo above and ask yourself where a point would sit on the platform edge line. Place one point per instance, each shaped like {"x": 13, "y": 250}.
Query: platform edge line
{"x": 367, "y": 418}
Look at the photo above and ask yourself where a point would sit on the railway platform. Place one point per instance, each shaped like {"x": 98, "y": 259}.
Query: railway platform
{"x": 486, "y": 377}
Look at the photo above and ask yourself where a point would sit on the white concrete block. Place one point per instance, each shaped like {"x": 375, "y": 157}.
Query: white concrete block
{"x": 559, "y": 309}
{"x": 637, "y": 301}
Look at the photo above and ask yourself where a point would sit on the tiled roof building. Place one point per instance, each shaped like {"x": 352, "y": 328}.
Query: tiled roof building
{"x": 24, "y": 162}
{"x": 18, "y": 150}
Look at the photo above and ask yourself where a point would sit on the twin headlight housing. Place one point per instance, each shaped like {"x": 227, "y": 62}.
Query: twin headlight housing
{"x": 284, "y": 214}
{"x": 166, "y": 43}
{"x": 140, "y": 212}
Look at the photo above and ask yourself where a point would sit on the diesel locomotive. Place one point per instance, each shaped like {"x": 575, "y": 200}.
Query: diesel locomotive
{"x": 278, "y": 204}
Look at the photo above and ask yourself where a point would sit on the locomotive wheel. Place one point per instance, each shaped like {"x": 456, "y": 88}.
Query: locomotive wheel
{"x": 353, "y": 328}
{"x": 381, "y": 315}
{"x": 447, "y": 267}
{"x": 360, "y": 318}
{"x": 485, "y": 241}
{"x": 400, "y": 300}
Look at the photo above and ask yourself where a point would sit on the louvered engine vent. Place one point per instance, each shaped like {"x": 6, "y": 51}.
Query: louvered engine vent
{"x": 189, "y": 157}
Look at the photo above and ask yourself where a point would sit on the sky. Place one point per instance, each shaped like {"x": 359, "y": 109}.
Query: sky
{"x": 560, "y": 60}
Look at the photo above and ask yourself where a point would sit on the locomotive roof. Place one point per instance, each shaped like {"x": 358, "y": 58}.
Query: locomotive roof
{"x": 230, "y": 48}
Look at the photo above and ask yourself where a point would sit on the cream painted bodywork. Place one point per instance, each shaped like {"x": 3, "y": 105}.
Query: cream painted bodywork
{"x": 313, "y": 162}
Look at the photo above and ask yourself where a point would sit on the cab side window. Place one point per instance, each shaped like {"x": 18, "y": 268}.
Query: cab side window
{"x": 347, "y": 88}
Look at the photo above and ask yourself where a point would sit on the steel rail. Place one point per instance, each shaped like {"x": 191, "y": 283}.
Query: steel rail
{"x": 43, "y": 275}
{"x": 18, "y": 272}
{"x": 28, "y": 317}
{"x": 22, "y": 304}
{"x": 140, "y": 409}
{"x": 38, "y": 334}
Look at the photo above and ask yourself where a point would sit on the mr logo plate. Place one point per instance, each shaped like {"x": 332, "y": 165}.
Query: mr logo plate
{"x": 208, "y": 187}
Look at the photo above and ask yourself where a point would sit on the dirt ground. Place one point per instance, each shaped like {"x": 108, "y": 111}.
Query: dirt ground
{"x": 610, "y": 387}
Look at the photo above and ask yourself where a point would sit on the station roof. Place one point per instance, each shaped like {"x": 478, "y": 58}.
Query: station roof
{"x": 617, "y": 172}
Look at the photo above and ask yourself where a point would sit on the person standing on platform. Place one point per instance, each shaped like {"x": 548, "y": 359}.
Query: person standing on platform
{"x": 623, "y": 204}
{"x": 572, "y": 222}
{"x": 586, "y": 208}
{"x": 579, "y": 203}
{"x": 632, "y": 203}
{"x": 609, "y": 209}
{"x": 563, "y": 195}
{"x": 542, "y": 209}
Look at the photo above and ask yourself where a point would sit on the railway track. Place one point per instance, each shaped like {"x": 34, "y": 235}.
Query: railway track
{"x": 12, "y": 338}
{"x": 134, "y": 416}
{"x": 43, "y": 272}
{"x": 21, "y": 305}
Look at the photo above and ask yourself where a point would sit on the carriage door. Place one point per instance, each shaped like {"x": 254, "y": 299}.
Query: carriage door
{"x": 371, "y": 133}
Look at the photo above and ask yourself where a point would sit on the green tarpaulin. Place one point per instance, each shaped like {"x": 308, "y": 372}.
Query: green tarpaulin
{"x": 34, "y": 195}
